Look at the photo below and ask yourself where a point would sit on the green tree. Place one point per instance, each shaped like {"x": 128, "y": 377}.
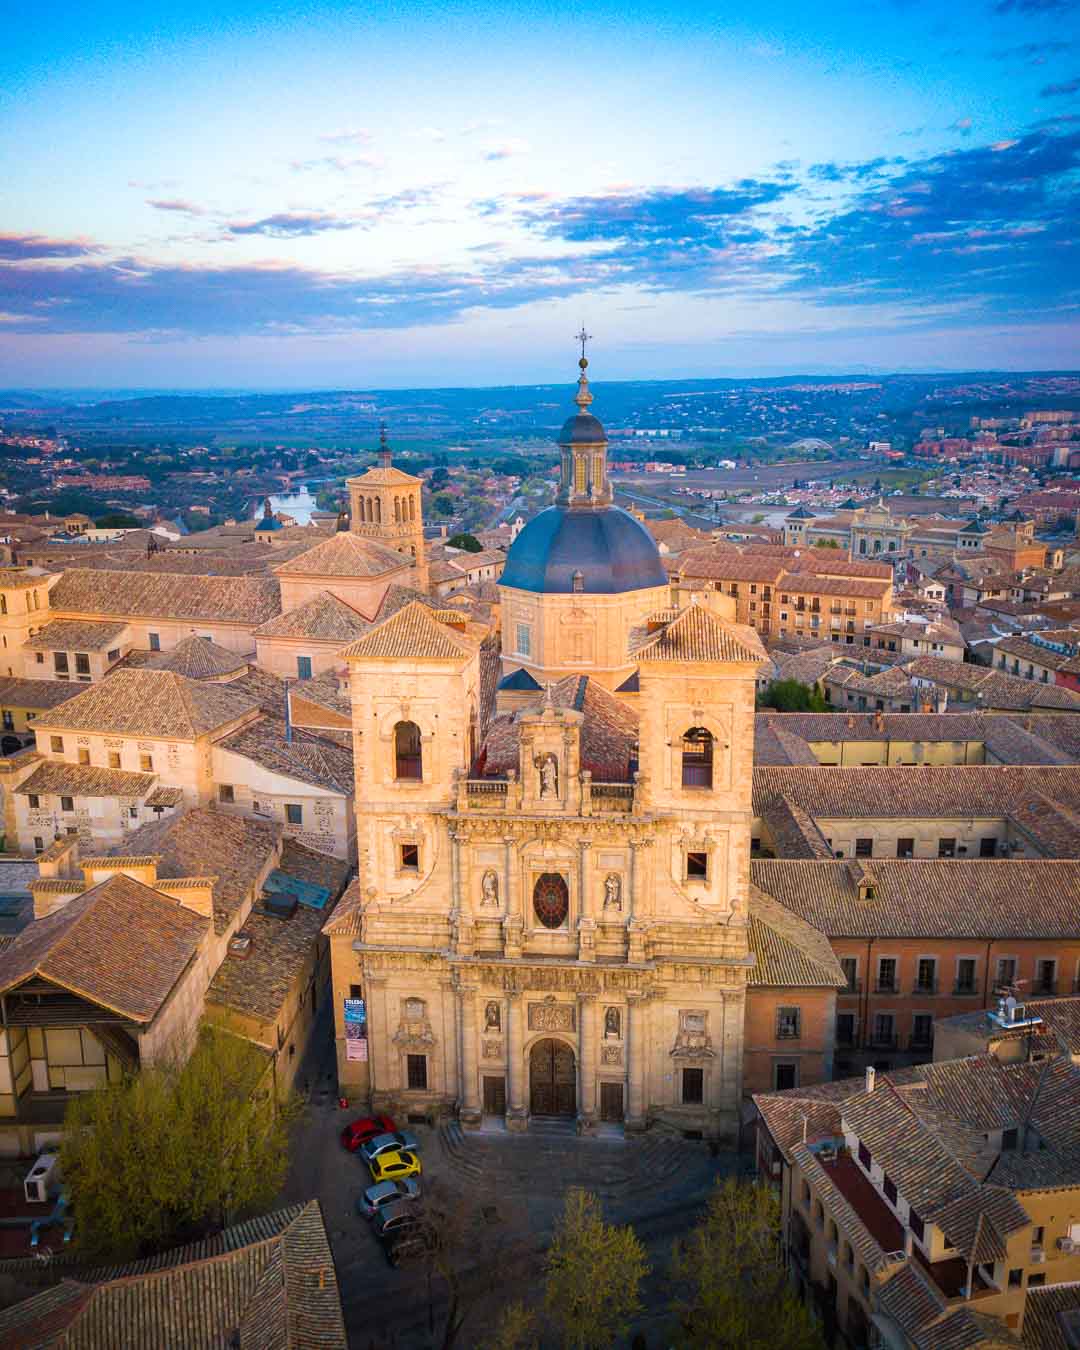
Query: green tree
{"x": 515, "y": 1329}
{"x": 175, "y": 1151}
{"x": 594, "y": 1272}
{"x": 731, "y": 1286}
{"x": 119, "y": 520}
{"x": 468, "y": 542}
{"x": 826, "y": 543}
{"x": 443, "y": 504}
{"x": 792, "y": 696}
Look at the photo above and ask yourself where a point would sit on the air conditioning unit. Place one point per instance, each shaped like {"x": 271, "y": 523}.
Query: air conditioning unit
{"x": 42, "y": 1179}
{"x": 1067, "y": 1245}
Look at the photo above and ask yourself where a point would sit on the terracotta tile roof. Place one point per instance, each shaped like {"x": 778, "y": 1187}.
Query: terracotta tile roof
{"x": 200, "y": 842}
{"x": 165, "y": 796}
{"x": 1043, "y": 1313}
{"x": 308, "y": 758}
{"x": 383, "y": 475}
{"x": 809, "y": 666}
{"x": 980, "y": 898}
{"x": 696, "y": 634}
{"x": 162, "y": 595}
{"x": 861, "y": 588}
{"x": 793, "y": 831}
{"x": 323, "y": 618}
{"x": 154, "y": 703}
{"x": 346, "y": 918}
{"x": 855, "y": 726}
{"x": 775, "y": 744}
{"x": 412, "y": 632}
{"x": 74, "y": 635}
{"x": 344, "y": 555}
{"x": 790, "y": 953}
{"x": 325, "y": 692}
{"x": 1063, "y": 733}
{"x": 120, "y": 944}
{"x": 35, "y": 694}
{"x": 723, "y": 562}
{"x": 57, "y": 778}
{"x": 198, "y": 658}
{"x": 997, "y": 690}
{"x": 1051, "y": 827}
{"x": 268, "y": 1284}
{"x": 1039, "y": 655}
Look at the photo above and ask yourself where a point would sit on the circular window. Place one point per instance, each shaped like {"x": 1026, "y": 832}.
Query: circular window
{"x": 551, "y": 900}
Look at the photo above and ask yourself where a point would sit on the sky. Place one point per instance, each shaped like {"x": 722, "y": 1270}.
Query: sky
{"x": 286, "y": 195}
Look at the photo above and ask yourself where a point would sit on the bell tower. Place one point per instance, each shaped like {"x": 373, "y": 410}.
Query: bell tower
{"x": 385, "y": 504}
{"x": 583, "y": 479}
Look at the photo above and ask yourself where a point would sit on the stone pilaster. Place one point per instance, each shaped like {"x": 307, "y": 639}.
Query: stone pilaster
{"x": 517, "y": 1113}
{"x": 512, "y": 924}
{"x": 636, "y": 1053}
{"x": 587, "y": 1061}
{"x": 470, "y": 1111}
{"x": 382, "y": 1077}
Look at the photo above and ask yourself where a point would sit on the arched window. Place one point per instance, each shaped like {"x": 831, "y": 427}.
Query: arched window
{"x": 551, "y": 900}
{"x": 378, "y": 510}
{"x": 697, "y": 758}
{"x": 412, "y": 508}
{"x": 397, "y": 512}
{"x": 408, "y": 762}
{"x": 3, "y": 604}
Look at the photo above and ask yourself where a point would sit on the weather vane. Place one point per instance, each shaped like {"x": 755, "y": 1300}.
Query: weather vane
{"x": 583, "y": 337}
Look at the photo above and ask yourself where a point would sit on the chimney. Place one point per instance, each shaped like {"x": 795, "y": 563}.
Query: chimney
{"x": 384, "y": 449}
{"x": 871, "y": 1076}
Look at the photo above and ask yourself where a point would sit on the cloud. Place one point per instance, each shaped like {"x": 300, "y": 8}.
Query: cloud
{"x": 962, "y": 125}
{"x": 507, "y": 149}
{"x": 339, "y": 164}
{"x": 1066, "y": 87}
{"x": 292, "y": 224}
{"x": 831, "y": 172}
{"x": 353, "y": 136}
{"x": 1035, "y": 53}
{"x": 19, "y": 247}
{"x": 176, "y": 204}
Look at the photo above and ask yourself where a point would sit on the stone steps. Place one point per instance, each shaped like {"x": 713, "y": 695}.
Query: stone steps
{"x": 456, "y": 1150}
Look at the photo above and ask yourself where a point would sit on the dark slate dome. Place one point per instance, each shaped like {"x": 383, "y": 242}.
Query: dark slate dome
{"x": 612, "y": 551}
{"x": 582, "y": 429}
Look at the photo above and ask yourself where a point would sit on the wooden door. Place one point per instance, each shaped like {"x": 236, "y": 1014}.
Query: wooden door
{"x": 494, "y": 1096}
{"x": 611, "y": 1099}
{"x": 552, "y": 1079}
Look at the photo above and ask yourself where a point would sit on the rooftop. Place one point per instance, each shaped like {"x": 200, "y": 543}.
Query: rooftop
{"x": 164, "y": 595}
{"x": 199, "y": 658}
{"x": 345, "y": 555}
{"x": 153, "y": 703}
{"x": 71, "y": 635}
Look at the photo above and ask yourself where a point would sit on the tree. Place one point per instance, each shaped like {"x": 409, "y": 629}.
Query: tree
{"x": 118, "y": 520}
{"x": 175, "y": 1151}
{"x": 443, "y": 504}
{"x": 826, "y": 543}
{"x": 792, "y": 696}
{"x": 515, "y": 1329}
{"x": 594, "y": 1272}
{"x": 731, "y": 1285}
{"x": 468, "y": 542}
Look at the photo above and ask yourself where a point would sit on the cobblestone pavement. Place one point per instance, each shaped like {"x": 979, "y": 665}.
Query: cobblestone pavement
{"x": 658, "y": 1182}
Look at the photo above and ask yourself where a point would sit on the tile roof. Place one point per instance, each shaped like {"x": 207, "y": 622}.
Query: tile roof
{"x": 74, "y": 635}
{"x": 383, "y": 475}
{"x": 1038, "y": 655}
{"x": 696, "y": 634}
{"x": 308, "y": 758}
{"x": 413, "y": 633}
{"x": 55, "y": 777}
{"x": 793, "y": 831}
{"x": 268, "y": 1284}
{"x": 995, "y": 688}
{"x": 1010, "y": 742}
{"x": 35, "y": 694}
{"x": 346, "y": 918}
{"x": 980, "y": 898}
{"x": 344, "y": 555}
{"x": 1061, "y": 732}
{"x": 204, "y": 842}
{"x": 163, "y": 595}
{"x": 775, "y": 744}
{"x": 120, "y": 945}
{"x": 1044, "y": 1308}
{"x": 154, "y": 703}
{"x": 790, "y": 953}
{"x": 1051, "y": 827}
{"x": 862, "y": 588}
{"x": 199, "y": 659}
{"x": 323, "y": 618}
{"x": 856, "y": 726}
{"x": 324, "y": 691}
{"x": 807, "y": 666}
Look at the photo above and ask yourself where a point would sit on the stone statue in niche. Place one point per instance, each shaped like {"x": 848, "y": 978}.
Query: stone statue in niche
{"x": 612, "y": 1025}
{"x": 548, "y": 769}
{"x": 492, "y": 1016}
{"x": 613, "y": 891}
{"x": 489, "y": 891}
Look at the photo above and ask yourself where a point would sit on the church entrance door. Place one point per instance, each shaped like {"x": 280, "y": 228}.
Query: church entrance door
{"x": 552, "y": 1079}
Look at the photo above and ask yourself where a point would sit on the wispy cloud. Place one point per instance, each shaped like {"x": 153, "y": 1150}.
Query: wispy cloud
{"x": 507, "y": 149}
{"x": 340, "y": 163}
{"x": 350, "y": 136}
{"x": 17, "y": 247}
{"x": 962, "y": 125}
{"x": 1066, "y": 87}
{"x": 293, "y": 224}
{"x": 177, "y": 204}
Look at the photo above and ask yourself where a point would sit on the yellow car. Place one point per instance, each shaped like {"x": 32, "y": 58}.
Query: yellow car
{"x": 394, "y": 1165}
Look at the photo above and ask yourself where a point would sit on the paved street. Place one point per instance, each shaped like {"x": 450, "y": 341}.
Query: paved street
{"x": 658, "y": 1183}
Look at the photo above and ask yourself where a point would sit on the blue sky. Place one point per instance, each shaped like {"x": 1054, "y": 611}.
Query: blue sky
{"x": 314, "y": 195}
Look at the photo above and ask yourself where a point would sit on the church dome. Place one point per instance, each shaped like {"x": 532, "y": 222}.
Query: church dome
{"x": 583, "y": 429}
{"x": 609, "y": 550}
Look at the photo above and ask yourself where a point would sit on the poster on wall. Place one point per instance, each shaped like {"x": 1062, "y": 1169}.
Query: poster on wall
{"x": 355, "y": 1041}
{"x": 355, "y": 1011}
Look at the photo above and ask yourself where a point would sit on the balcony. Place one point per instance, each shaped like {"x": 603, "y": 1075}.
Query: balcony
{"x": 889, "y": 985}
{"x": 1044, "y": 988}
{"x": 883, "y": 1040}
{"x": 928, "y": 987}
{"x": 503, "y": 795}
{"x": 964, "y": 989}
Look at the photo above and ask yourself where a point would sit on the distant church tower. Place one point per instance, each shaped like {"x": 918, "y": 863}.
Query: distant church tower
{"x": 385, "y": 504}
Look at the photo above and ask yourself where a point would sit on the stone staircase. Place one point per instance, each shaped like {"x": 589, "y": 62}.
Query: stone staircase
{"x": 456, "y": 1150}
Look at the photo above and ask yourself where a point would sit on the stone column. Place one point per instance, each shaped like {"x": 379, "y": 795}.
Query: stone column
{"x": 586, "y": 921}
{"x": 587, "y": 1061}
{"x": 636, "y": 1058}
{"x": 517, "y": 1113}
{"x": 379, "y": 1043}
{"x": 470, "y": 1112}
{"x": 512, "y": 923}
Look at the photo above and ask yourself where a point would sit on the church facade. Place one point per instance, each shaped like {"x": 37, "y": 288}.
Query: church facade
{"x": 551, "y": 911}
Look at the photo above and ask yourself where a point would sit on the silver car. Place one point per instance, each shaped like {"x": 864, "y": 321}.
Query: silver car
{"x": 382, "y": 1143}
{"x": 385, "y": 1193}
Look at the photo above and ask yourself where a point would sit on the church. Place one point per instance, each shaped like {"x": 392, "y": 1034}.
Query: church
{"x": 552, "y": 913}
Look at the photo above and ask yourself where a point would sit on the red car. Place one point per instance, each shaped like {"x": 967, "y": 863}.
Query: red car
{"x": 367, "y": 1127}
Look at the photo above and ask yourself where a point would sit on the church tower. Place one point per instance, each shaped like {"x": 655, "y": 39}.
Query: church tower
{"x": 385, "y": 504}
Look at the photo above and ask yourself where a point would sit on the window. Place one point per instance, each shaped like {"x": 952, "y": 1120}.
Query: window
{"x": 922, "y": 1031}
{"x": 408, "y": 762}
{"x": 946, "y": 848}
{"x": 864, "y": 848}
{"x": 850, "y": 966}
{"x": 226, "y": 793}
{"x": 1045, "y": 977}
{"x": 114, "y": 655}
{"x": 56, "y": 744}
{"x": 356, "y": 991}
{"x": 39, "y": 844}
{"x": 1006, "y": 970}
{"x": 410, "y": 857}
{"x": 303, "y": 667}
{"x": 146, "y": 763}
{"x": 693, "y": 1086}
{"x": 916, "y": 1224}
{"x": 9, "y": 720}
{"x": 965, "y": 975}
{"x": 987, "y": 848}
{"x": 155, "y": 641}
{"x": 294, "y": 814}
{"x": 787, "y": 1024}
{"x": 884, "y": 1035}
{"x": 114, "y": 759}
{"x": 84, "y": 755}
{"x": 35, "y": 801}
{"x": 926, "y": 977}
{"x": 889, "y": 1187}
{"x": 845, "y": 1029}
{"x": 886, "y": 978}
{"x": 39, "y": 657}
{"x": 551, "y": 899}
{"x": 524, "y": 639}
{"x": 1016, "y": 1278}
{"x": 82, "y": 663}
{"x": 905, "y": 848}
{"x": 1009, "y": 1139}
{"x": 133, "y": 812}
{"x": 697, "y": 758}
{"x": 864, "y": 1157}
{"x": 785, "y": 1076}
{"x": 416, "y": 1066}
{"x": 1036, "y": 1281}
{"x": 67, "y": 803}
{"x": 60, "y": 661}
{"x": 697, "y": 866}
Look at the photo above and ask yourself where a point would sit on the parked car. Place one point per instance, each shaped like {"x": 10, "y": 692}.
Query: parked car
{"x": 383, "y": 1143}
{"x": 358, "y": 1132}
{"x": 376, "y": 1198}
{"x": 394, "y": 1166}
{"x": 409, "y": 1243}
{"x": 394, "y": 1219}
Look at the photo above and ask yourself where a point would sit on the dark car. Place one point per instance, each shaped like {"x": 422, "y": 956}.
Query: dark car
{"x": 358, "y": 1132}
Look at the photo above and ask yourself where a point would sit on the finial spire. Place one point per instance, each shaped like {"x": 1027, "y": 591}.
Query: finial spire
{"x": 583, "y": 398}
{"x": 384, "y": 449}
